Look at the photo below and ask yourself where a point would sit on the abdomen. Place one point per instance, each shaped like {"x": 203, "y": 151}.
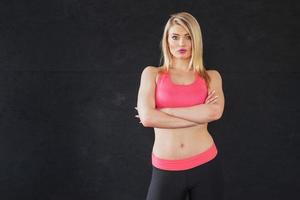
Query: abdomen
{"x": 182, "y": 142}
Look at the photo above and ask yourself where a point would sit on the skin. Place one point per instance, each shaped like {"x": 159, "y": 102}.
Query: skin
{"x": 179, "y": 132}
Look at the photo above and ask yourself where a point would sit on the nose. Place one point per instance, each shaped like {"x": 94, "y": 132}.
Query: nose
{"x": 181, "y": 41}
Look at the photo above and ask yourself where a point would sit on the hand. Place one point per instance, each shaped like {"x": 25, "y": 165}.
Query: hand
{"x": 211, "y": 99}
{"x": 137, "y": 116}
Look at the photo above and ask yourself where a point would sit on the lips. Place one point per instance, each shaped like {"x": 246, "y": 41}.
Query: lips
{"x": 182, "y": 50}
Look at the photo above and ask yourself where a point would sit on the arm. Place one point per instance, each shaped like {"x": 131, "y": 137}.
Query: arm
{"x": 203, "y": 113}
{"x": 149, "y": 116}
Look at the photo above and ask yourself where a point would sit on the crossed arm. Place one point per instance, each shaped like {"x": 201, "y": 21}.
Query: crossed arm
{"x": 179, "y": 117}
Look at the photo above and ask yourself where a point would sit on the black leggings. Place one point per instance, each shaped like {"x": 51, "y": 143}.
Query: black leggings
{"x": 204, "y": 182}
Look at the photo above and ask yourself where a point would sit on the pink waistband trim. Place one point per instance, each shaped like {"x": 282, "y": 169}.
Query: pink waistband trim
{"x": 186, "y": 163}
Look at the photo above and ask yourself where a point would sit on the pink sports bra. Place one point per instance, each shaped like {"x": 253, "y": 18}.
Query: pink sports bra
{"x": 169, "y": 94}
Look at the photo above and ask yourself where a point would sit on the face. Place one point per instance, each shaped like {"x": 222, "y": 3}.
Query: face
{"x": 180, "y": 42}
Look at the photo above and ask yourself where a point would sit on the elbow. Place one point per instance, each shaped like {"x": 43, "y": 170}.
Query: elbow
{"x": 218, "y": 116}
{"x": 217, "y": 113}
{"x": 146, "y": 122}
{"x": 146, "y": 119}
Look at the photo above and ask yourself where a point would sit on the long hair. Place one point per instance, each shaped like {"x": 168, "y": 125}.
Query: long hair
{"x": 190, "y": 24}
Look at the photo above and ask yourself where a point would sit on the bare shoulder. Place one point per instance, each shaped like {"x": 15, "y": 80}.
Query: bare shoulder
{"x": 214, "y": 75}
{"x": 149, "y": 73}
{"x": 150, "y": 70}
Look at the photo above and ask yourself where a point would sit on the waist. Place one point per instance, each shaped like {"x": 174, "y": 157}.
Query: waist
{"x": 177, "y": 132}
{"x": 185, "y": 163}
{"x": 177, "y": 144}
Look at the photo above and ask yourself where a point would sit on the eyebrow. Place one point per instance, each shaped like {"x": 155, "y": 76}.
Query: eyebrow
{"x": 178, "y": 34}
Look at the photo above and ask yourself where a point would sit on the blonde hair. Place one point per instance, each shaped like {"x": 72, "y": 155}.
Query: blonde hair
{"x": 190, "y": 24}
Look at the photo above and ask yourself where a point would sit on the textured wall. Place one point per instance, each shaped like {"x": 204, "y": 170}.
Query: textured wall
{"x": 69, "y": 76}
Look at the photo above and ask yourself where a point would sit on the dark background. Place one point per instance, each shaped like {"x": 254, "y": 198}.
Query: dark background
{"x": 69, "y": 76}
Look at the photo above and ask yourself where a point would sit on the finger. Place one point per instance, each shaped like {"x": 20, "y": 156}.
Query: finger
{"x": 212, "y": 92}
{"x": 210, "y": 99}
{"x": 210, "y": 95}
{"x": 137, "y": 116}
{"x": 135, "y": 108}
{"x": 213, "y": 99}
{"x": 214, "y": 102}
{"x": 207, "y": 100}
{"x": 216, "y": 99}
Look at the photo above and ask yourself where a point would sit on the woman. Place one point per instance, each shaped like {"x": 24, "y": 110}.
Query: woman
{"x": 178, "y": 99}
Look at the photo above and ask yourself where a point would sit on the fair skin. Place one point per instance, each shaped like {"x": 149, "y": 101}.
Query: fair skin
{"x": 180, "y": 132}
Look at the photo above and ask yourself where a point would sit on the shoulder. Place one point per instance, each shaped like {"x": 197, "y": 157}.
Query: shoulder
{"x": 149, "y": 74}
{"x": 150, "y": 70}
{"x": 214, "y": 75}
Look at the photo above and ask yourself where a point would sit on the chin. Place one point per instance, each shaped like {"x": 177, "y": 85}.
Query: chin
{"x": 180, "y": 56}
{"x": 184, "y": 57}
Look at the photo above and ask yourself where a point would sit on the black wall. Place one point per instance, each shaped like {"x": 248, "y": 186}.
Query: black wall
{"x": 69, "y": 76}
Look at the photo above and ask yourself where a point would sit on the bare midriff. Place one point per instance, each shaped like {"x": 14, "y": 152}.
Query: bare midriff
{"x": 181, "y": 143}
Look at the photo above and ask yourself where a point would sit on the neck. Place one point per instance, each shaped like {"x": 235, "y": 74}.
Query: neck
{"x": 180, "y": 64}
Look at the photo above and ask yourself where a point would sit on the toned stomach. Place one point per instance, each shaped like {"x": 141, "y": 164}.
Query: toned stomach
{"x": 182, "y": 142}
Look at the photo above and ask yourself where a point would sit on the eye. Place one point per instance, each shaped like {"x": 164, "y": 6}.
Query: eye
{"x": 174, "y": 37}
{"x": 189, "y": 37}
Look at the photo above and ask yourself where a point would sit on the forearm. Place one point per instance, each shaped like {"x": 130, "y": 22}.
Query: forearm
{"x": 158, "y": 119}
{"x": 201, "y": 113}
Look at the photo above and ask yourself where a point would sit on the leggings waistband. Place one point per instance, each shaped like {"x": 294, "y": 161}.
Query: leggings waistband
{"x": 186, "y": 163}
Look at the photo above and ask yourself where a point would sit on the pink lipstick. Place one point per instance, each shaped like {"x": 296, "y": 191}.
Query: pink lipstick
{"x": 182, "y": 50}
